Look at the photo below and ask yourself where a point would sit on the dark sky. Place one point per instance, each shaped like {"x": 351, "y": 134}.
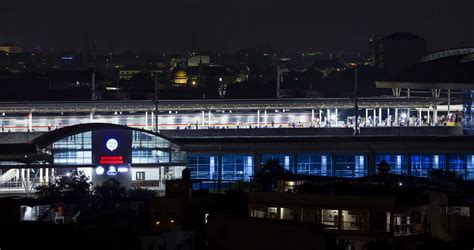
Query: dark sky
{"x": 230, "y": 24}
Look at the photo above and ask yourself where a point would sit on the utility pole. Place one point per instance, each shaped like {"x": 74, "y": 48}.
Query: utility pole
{"x": 93, "y": 97}
{"x": 278, "y": 82}
{"x": 356, "y": 106}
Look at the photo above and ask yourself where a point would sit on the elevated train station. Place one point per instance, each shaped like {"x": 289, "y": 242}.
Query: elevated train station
{"x": 145, "y": 143}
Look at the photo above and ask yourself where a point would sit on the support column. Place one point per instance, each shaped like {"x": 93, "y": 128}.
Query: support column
{"x": 312, "y": 115}
{"x": 295, "y": 164}
{"x": 388, "y": 117}
{"x": 328, "y": 116}
{"x": 435, "y": 116}
{"x": 152, "y": 121}
{"x": 428, "y": 116}
{"x": 320, "y": 117}
{"x": 336, "y": 117}
{"x": 209, "y": 118}
{"x": 257, "y": 162}
{"x": 372, "y": 165}
{"x": 202, "y": 118}
{"x": 366, "y": 116}
{"x": 146, "y": 120}
{"x": 41, "y": 176}
{"x": 265, "y": 118}
{"x": 419, "y": 116}
{"x": 258, "y": 118}
{"x": 409, "y": 164}
{"x": 46, "y": 174}
{"x": 30, "y": 125}
{"x": 375, "y": 116}
{"x": 408, "y": 117}
{"x": 380, "y": 116}
{"x": 446, "y": 162}
{"x": 91, "y": 117}
{"x": 396, "y": 116}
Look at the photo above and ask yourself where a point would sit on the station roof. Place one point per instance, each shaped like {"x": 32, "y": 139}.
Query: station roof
{"x": 58, "y": 134}
{"x": 215, "y": 105}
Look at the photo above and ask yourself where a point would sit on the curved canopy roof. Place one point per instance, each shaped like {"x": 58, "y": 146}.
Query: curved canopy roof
{"x": 446, "y": 53}
{"x": 448, "y": 69}
{"x": 58, "y": 134}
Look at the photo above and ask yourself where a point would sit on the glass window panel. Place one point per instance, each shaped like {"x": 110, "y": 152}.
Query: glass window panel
{"x": 314, "y": 164}
{"x": 350, "y": 166}
{"x": 421, "y": 165}
{"x": 286, "y": 160}
{"x": 398, "y": 163}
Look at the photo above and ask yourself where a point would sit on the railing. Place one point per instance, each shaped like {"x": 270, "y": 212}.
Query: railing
{"x": 407, "y": 229}
{"x": 148, "y": 183}
{"x": 8, "y": 175}
{"x": 9, "y": 185}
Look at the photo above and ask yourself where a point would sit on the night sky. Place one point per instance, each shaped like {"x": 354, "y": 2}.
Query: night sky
{"x": 230, "y": 24}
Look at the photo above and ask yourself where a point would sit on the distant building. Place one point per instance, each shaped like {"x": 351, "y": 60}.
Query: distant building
{"x": 128, "y": 72}
{"x": 178, "y": 62}
{"x": 8, "y": 48}
{"x": 179, "y": 77}
{"x": 195, "y": 61}
{"x": 397, "y": 51}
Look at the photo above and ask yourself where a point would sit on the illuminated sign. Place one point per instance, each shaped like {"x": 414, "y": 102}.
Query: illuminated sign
{"x": 123, "y": 169}
{"x": 99, "y": 170}
{"x": 112, "y": 171}
{"x": 112, "y": 155}
{"x": 112, "y": 159}
{"x": 111, "y": 144}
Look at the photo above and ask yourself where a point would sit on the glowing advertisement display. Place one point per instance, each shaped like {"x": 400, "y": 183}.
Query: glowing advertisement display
{"x": 111, "y": 155}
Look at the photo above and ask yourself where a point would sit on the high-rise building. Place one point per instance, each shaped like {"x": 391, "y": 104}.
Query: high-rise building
{"x": 397, "y": 51}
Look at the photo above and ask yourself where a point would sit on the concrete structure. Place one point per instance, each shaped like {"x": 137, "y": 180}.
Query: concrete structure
{"x": 232, "y": 113}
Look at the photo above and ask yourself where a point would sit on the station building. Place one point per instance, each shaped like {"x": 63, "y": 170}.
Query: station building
{"x": 141, "y": 157}
{"x": 146, "y": 159}
{"x": 100, "y": 151}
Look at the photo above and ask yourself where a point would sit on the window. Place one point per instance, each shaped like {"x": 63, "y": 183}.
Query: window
{"x": 350, "y": 166}
{"x": 312, "y": 164}
{"x": 237, "y": 167}
{"x": 203, "y": 167}
{"x": 285, "y": 160}
{"x": 140, "y": 176}
{"x": 421, "y": 165}
{"x": 457, "y": 211}
{"x": 398, "y": 163}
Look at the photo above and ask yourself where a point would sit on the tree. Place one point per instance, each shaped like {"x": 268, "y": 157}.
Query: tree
{"x": 109, "y": 193}
{"x": 138, "y": 193}
{"x": 72, "y": 188}
{"x": 384, "y": 168}
{"x": 440, "y": 174}
{"x": 270, "y": 171}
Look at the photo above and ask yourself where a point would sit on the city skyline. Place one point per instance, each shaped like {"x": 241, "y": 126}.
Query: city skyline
{"x": 228, "y": 25}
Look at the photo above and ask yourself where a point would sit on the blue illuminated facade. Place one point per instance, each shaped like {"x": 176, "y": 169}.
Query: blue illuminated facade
{"x": 148, "y": 149}
{"x": 241, "y": 167}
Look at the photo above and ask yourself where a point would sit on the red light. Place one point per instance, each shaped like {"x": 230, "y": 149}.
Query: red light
{"x": 111, "y": 159}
